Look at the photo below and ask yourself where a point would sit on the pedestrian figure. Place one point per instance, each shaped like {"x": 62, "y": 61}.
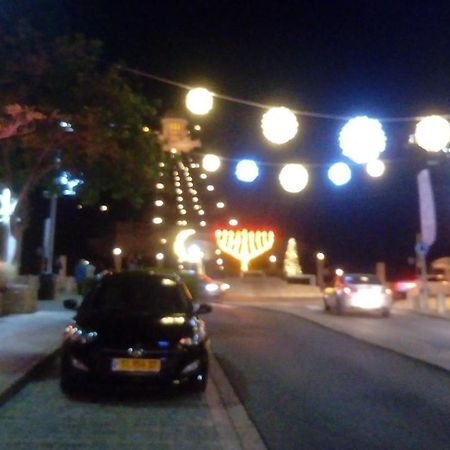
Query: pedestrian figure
{"x": 80, "y": 274}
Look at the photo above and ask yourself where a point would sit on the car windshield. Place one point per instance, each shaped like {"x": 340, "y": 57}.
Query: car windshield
{"x": 361, "y": 279}
{"x": 157, "y": 296}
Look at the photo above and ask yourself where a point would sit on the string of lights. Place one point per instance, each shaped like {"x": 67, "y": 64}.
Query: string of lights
{"x": 265, "y": 106}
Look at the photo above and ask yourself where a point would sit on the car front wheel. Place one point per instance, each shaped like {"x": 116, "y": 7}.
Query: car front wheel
{"x": 340, "y": 308}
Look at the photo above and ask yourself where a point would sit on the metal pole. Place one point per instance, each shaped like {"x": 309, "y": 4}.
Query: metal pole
{"x": 423, "y": 295}
{"x": 51, "y": 233}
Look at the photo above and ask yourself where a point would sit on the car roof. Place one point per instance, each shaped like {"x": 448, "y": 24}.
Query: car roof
{"x": 130, "y": 274}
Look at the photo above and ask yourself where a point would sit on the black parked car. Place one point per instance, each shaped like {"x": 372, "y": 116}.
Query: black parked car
{"x": 136, "y": 327}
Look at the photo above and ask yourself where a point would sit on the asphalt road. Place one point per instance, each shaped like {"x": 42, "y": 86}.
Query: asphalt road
{"x": 307, "y": 387}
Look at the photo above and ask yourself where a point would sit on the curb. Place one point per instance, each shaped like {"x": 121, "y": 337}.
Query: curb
{"x": 239, "y": 431}
{"x": 20, "y": 382}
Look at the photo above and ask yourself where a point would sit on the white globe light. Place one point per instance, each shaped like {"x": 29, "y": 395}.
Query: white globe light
{"x": 279, "y": 125}
{"x": 433, "y": 133}
{"x": 211, "y": 163}
{"x": 199, "y": 101}
{"x": 339, "y": 173}
{"x": 247, "y": 170}
{"x": 375, "y": 168}
{"x": 293, "y": 178}
{"x": 362, "y": 139}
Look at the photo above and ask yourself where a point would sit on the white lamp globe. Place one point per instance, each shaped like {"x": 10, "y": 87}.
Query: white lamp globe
{"x": 293, "y": 178}
{"x": 247, "y": 170}
{"x": 375, "y": 168}
{"x": 199, "y": 101}
{"x": 362, "y": 139}
{"x": 279, "y": 125}
{"x": 211, "y": 163}
{"x": 433, "y": 133}
{"x": 339, "y": 173}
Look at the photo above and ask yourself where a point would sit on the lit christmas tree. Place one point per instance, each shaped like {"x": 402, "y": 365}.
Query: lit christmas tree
{"x": 291, "y": 265}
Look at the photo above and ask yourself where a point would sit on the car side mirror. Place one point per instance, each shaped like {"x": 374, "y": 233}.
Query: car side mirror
{"x": 203, "y": 308}
{"x": 70, "y": 303}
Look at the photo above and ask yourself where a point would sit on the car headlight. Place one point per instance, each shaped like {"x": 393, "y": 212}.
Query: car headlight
{"x": 212, "y": 287}
{"x": 73, "y": 333}
{"x": 224, "y": 287}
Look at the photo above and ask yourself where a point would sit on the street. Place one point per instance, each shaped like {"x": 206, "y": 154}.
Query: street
{"x": 307, "y": 380}
{"x": 305, "y": 386}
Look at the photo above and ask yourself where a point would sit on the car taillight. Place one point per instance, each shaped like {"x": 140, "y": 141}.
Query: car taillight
{"x": 349, "y": 290}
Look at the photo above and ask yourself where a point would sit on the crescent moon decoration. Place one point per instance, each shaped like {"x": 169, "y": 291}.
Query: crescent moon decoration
{"x": 179, "y": 245}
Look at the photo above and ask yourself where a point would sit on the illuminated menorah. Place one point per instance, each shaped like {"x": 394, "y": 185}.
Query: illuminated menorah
{"x": 244, "y": 245}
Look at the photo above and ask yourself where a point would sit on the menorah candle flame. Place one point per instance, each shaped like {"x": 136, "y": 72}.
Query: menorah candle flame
{"x": 244, "y": 245}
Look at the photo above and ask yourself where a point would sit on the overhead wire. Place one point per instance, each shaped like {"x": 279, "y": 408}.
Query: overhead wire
{"x": 299, "y": 112}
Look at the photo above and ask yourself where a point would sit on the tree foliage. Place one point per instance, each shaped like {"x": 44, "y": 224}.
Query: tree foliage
{"x": 45, "y": 83}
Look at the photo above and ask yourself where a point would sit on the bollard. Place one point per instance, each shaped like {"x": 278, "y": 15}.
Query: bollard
{"x": 441, "y": 306}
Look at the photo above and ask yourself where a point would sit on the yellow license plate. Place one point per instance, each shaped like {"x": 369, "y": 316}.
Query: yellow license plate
{"x": 136, "y": 365}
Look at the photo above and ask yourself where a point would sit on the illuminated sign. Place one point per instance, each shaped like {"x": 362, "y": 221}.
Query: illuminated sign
{"x": 244, "y": 245}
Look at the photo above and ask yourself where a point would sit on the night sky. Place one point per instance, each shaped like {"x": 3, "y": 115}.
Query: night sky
{"x": 375, "y": 58}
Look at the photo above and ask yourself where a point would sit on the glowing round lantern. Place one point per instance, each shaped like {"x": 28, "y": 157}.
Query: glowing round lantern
{"x": 293, "y": 178}
{"x": 247, "y": 170}
{"x": 362, "y": 139}
{"x": 339, "y": 173}
{"x": 279, "y": 125}
{"x": 211, "y": 163}
{"x": 433, "y": 133}
{"x": 199, "y": 101}
{"x": 375, "y": 168}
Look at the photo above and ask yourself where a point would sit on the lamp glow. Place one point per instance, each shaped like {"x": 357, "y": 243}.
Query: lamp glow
{"x": 279, "y": 125}
{"x": 375, "y": 168}
{"x": 211, "y": 163}
{"x": 339, "y": 173}
{"x": 247, "y": 170}
{"x": 320, "y": 256}
{"x": 293, "y": 178}
{"x": 157, "y": 220}
{"x": 362, "y": 139}
{"x": 433, "y": 133}
{"x": 199, "y": 101}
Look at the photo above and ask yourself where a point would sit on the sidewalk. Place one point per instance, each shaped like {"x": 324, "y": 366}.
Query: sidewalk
{"x": 28, "y": 340}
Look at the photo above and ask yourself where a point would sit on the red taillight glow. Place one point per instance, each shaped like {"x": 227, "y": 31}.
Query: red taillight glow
{"x": 349, "y": 291}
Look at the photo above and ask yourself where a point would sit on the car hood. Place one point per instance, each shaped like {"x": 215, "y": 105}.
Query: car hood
{"x": 125, "y": 330}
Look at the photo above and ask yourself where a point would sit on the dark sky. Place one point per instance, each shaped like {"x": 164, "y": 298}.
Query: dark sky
{"x": 377, "y": 58}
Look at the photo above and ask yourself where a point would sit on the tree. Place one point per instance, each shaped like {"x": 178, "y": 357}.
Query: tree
{"x": 291, "y": 265}
{"x": 63, "y": 108}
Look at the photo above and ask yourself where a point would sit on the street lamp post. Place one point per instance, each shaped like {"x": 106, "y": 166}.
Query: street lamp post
{"x": 320, "y": 269}
{"x": 117, "y": 255}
